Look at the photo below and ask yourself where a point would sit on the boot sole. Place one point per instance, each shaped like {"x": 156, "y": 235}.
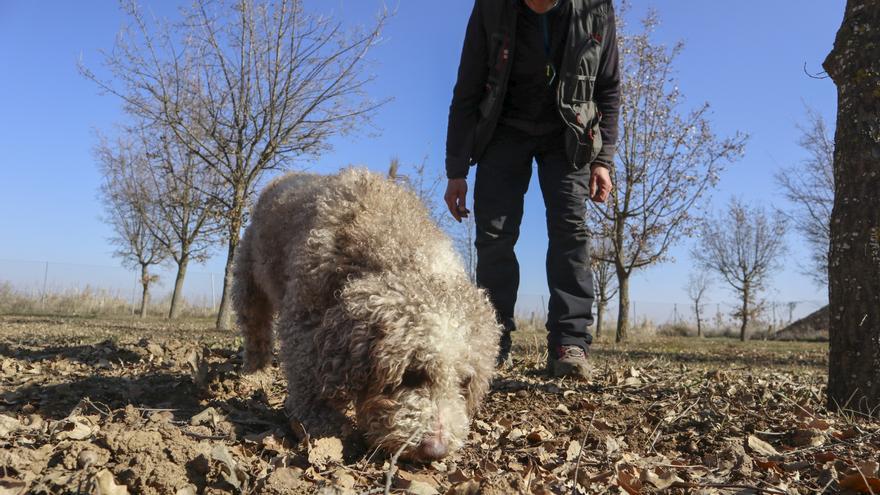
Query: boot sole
{"x": 558, "y": 369}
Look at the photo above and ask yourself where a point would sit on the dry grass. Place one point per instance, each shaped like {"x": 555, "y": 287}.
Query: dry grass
{"x": 88, "y": 301}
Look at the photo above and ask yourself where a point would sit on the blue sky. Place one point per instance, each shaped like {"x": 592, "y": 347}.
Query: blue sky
{"x": 746, "y": 58}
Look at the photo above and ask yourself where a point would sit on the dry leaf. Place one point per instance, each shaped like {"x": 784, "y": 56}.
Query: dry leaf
{"x": 539, "y": 435}
{"x": 9, "y": 486}
{"x": 457, "y": 476}
{"x": 804, "y": 437}
{"x": 868, "y": 468}
{"x": 761, "y": 447}
{"x": 629, "y": 482}
{"x": 105, "y": 484}
{"x": 208, "y": 417}
{"x": 574, "y": 451}
{"x": 230, "y": 470}
{"x": 660, "y": 481}
{"x": 74, "y": 429}
{"x": 470, "y": 487}
{"x": 862, "y": 484}
{"x": 8, "y": 425}
{"x": 611, "y": 445}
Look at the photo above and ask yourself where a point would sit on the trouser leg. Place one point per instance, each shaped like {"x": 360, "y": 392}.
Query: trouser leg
{"x": 501, "y": 182}
{"x": 569, "y": 275}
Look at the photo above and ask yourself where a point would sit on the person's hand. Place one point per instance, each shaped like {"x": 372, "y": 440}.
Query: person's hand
{"x": 600, "y": 183}
{"x": 456, "y": 194}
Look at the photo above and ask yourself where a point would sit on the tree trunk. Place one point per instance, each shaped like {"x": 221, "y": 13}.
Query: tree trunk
{"x": 176, "y": 297}
{"x": 600, "y": 312}
{"x": 745, "y": 314}
{"x": 699, "y": 322}
{"x": 145, "y": 294}
{"x": 623, "y": 307}
{"x": 854, "y": 261}
{"x": 224, "y": 316}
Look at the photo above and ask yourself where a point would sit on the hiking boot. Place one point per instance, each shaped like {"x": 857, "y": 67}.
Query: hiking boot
{"x": 570, "y": 361}
{"x": 503, "y": 360}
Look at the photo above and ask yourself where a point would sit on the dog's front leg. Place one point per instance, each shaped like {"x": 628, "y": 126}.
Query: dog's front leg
{"x": 305, "y": 402}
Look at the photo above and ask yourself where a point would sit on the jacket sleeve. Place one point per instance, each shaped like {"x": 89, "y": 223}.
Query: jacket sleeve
{"x": 607, "y": 95}
{"x": 469, "y": 88}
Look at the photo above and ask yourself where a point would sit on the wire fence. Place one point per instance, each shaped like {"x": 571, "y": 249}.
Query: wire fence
{"x": 28, "y": 287}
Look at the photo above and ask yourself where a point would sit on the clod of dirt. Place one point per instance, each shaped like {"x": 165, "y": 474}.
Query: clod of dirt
{"x": 324, "y": 451}
{"x": 105, "y": 484}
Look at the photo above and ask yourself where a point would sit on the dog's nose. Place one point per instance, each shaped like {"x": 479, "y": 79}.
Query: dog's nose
{"x": 432, "y": 448}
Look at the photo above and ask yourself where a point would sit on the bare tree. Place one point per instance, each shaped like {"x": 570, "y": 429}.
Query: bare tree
{"x": 427, "y": 187}
{"x": 248, "y": 87}
{"x": 604, "y": 277}
{"x": 424, "y": 184}
{"x": 743, "y": 246}
{"x": 854, "y": 261}
{"x": 186, "y": 223}
{"x": 698, "y": 284}
{"x": 129, "y": 213}
{"x": 810, "y": 187}
{"x": 667, "y": 162}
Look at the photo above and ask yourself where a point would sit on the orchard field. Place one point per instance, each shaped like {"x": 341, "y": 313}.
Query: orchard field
{"x": 116, "y": 406}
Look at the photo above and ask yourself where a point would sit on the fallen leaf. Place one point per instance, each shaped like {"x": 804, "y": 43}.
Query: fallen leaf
{"x": 105, "y": 484}
{"x": 807, "y": 437}
{"x": 208, "y": 417}
{"x": 629, "y": 482}
{"x": 539, "y": 435}
{"x": 611, "y": 445}
{"x": 457, "y": 476}
{"x": 660, "y": 481}
{"x": 470, "y": 487}
{"x": 419, "y": 488}
{"x": 73, "y": 429}
{"x": 574, "y": 451}
{"x": 862, "y": 484}
{"x": 232, "y": 473}
{"x": 868, "y": 468}
{"x": 760, "y": 446}
{"x": 8, "y": 425}
{"x": 9, "y": 486}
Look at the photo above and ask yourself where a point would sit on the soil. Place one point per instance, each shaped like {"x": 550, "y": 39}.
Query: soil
{"x": 811, "y": 327}
{"x": 157, "y": 407}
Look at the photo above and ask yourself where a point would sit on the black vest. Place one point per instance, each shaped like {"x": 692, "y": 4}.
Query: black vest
{"x": 577, "y": 77}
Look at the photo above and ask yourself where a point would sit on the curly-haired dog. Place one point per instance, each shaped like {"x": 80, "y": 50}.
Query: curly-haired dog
{"x": 374, "y": 307}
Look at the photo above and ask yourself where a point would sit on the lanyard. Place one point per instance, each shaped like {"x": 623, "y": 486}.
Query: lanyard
{"x": 545, "y": 28}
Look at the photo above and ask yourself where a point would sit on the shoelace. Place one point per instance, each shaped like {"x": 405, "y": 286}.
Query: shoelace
{"x": 571, "y": 351}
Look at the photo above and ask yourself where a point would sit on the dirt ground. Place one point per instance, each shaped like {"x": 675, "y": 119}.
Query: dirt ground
{"x": 122, "y": 406}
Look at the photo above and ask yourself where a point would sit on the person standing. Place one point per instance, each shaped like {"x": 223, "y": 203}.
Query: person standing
{"x": 538, "y": 80}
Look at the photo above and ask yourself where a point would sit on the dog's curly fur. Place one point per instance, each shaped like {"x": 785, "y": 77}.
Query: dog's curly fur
{"x": 373, "y": 307}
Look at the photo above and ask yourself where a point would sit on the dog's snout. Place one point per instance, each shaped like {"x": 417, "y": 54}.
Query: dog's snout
{"x": 432, "y": 448}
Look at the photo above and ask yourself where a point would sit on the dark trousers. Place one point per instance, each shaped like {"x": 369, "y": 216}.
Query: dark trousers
{"x": 503, "y": 176}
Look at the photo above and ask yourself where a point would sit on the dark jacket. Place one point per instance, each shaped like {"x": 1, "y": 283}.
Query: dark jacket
{"x": 588, "y": 90}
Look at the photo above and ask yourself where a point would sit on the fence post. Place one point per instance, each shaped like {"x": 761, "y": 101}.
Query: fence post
{"x": 133, "y": 291}
{"x": 45, "y": 282}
